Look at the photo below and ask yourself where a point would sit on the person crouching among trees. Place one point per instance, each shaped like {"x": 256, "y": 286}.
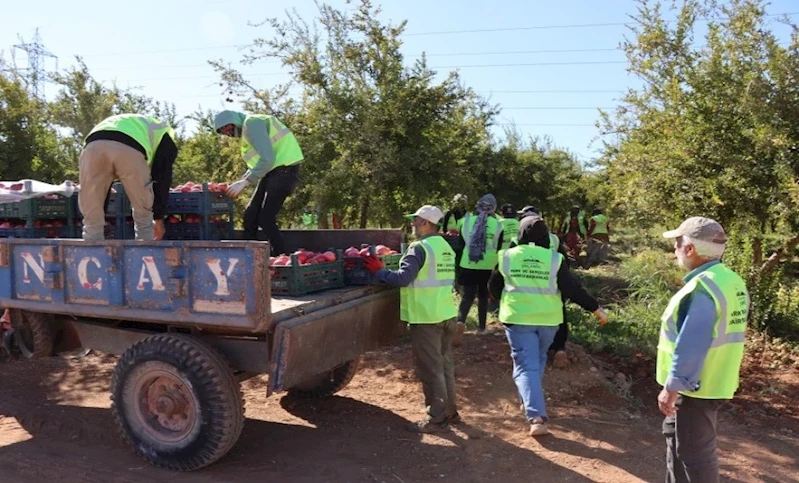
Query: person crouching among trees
{"x": 426, "y": 275}
{"x": 528, "y": 281}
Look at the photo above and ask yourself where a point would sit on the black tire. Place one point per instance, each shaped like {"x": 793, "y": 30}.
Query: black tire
{"x": 33, "y": 333}
{"x": 171, "y": 380}
{"x": 328, "y": 383}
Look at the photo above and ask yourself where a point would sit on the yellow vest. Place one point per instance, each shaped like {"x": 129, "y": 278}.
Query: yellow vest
{"x": 493, "y": 233}
{"x": 720, "y": 371}
{"x": 531, "y": 295}
{"x": 145, "y": 130}
{"x": 428, "y": 299}
{"x": 284, "y": 144}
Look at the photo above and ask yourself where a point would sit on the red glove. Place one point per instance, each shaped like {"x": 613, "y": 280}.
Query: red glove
{"x": 373, "y": 264}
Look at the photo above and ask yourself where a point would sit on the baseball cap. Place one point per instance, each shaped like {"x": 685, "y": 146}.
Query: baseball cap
{"x": 530, "y": 208}
{"x": 428, "y": 212}
{"x": 699, "y": 228}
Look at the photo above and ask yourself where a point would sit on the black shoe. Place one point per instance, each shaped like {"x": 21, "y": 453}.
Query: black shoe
{"x": 427, "y": 426}
{"x": 454, "y": 419}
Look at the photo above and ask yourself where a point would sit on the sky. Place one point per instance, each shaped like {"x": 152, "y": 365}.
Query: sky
{"x": 548, "y": 64}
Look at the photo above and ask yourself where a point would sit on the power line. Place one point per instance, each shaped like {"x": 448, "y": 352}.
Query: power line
{"x": 442, "y": 32}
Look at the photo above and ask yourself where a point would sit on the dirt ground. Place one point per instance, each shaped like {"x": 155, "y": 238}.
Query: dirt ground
{"x": 55, "y": 426}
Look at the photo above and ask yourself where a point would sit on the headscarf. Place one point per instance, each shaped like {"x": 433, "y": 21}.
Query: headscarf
{"x": 486, "y": 206}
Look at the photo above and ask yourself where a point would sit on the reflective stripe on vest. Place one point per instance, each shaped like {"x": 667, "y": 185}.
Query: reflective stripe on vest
{"x": 511, "y": 285}
{"x": 525, "y": 301}
{"x": 718, "y": 378}
{"x": 554, "y": 242}
{"x": 428, "y": 299}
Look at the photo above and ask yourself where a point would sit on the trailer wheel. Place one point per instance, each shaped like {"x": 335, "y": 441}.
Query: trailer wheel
{"x": 33, "y": 333}
{"x": 327, "y": 383}
{"x": 177, "y": 402}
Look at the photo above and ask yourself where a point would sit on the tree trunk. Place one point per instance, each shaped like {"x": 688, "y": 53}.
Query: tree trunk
{"x": 757, "y": 251}
{"x": 364, "y": 212}
{"x": 777, "y": 256}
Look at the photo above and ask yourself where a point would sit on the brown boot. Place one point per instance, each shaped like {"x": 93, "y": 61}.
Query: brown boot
{"x": 560, "y": 360}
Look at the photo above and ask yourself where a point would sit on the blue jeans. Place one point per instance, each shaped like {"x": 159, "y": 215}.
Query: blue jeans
{"x": 528, "y": 348}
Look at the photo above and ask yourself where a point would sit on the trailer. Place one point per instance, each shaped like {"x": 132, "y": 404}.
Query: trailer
{"x": 190, "y": 320}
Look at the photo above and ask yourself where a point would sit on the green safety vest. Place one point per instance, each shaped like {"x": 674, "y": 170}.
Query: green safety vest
{"x": 310, "y": 219}
{"x": 554, "y": 242}
{"x": 452, "y": 223}
{"x": 600, "y": 224}
{"x": 145, "y": 130}
{"x": 531, "y": 295}
{"x": 719, "y": 376}
{"x": 428, "y": 299}
{"x": 493, "y": 233}
{"x": 285, "y": 146}
{"x": 510, "y": 226}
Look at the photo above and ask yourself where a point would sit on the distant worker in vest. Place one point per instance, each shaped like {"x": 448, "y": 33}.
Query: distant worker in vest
{"x": 138, "y": 150}
{"x": 529, "y": 282}
{"x": 481, "y": 231}
{"x": 510, "y": 224}
{"x": 598, "y": 237}
{"x": 700, "y": 350}
{"x": 453, "y": 216}
{"x": 573, "y": 231}
{"x": 273, "y": 157}
{"x": 310, "y": 220}
{"x": 426, "y": 274}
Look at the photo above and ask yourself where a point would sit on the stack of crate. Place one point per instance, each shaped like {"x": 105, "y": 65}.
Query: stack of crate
{"x": 199, "y": 215}
{"x": 118, "y": 219}
{"x": 51, "y": 216}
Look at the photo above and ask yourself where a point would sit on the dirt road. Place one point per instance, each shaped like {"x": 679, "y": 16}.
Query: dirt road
{"x": 55, "y": 426}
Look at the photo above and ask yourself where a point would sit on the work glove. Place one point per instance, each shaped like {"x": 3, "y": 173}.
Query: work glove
{"x": 373, "y": 264}
{"x": 235, "y": 189}
{"x": 601, "y": 316}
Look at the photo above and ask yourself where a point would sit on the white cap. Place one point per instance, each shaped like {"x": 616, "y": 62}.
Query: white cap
{"x": 428, "y": 212}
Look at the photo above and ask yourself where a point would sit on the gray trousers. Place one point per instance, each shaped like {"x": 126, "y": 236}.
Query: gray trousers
{"x": 431, "y": 345}
{"x": 691, "y": 441}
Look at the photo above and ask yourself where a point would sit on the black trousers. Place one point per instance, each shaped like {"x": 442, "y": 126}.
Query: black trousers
{"x": 691, "y": 441}
{"x": 266, "y": 202}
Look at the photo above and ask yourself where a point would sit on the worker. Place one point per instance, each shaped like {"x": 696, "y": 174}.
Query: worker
{"x": 510, "y": 224}
{"x": 310, "y": 220}
{"x": 529, "y": 282}
{"x": 426, "y": 274}
{"x": 140, "y": 151}
{"x": 598, "y": 237}
{"x": 482, "y": 238}
{"x": 455, "y": 213}
{"x": 273, "y": 157}
{"x": 573, "y": 230}
{"x": 558, "y": 347}
{"x": 700, "y": 350}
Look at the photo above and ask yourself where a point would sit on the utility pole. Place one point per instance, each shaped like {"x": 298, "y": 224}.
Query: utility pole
{"x": 37, "y": 55}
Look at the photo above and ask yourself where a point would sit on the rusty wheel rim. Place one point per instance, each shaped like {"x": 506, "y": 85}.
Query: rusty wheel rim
{"x": 164, "y": 404}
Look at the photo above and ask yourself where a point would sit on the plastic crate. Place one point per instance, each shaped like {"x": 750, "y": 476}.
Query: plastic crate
{"x": 123, "y": 230}
{"x": 12, "y": 232}
{"x": 296, "y": 279}
{"x": 200, "y": 203}
{"x": 218, "y": 230}
{"x": 38, "y": 208}
{"x": 355, "y": 273}
{"x": 118, "y": 204}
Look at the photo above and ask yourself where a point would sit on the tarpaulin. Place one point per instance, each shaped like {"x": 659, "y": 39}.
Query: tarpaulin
{"x": 25, "y": 189}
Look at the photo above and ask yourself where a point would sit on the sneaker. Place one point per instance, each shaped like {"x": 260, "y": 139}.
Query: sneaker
{"x": 454, "y": 419}
{"x": 427, "y": 426}
{"x": 561, "y": 360}
{"x": 458, "y": 340}
{"x": 538, "y": 427}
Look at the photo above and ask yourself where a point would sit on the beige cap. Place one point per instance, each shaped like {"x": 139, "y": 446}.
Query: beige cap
{"x": 428, "y": 212}
{"x": 699, "y": 228}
